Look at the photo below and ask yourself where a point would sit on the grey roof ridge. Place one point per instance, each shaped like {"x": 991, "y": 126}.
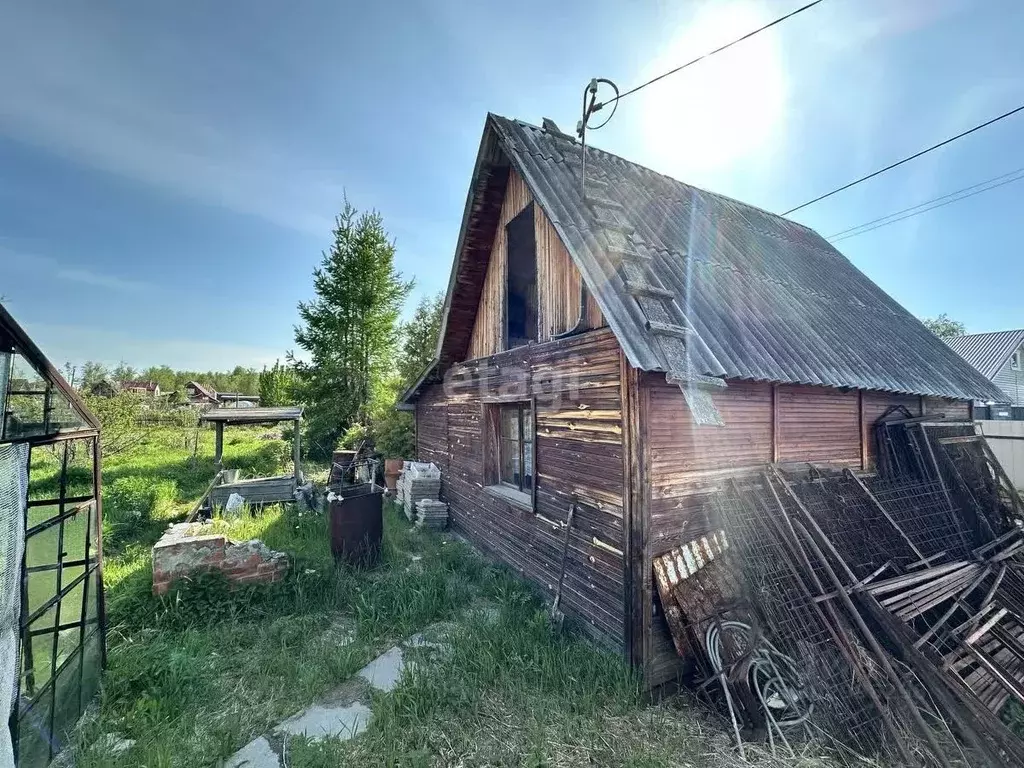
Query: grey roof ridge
{"x": 673, "y": 179}
{"x": 987, "y": 333}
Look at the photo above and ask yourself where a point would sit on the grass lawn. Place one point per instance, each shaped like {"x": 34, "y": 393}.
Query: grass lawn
{"x": 195, "y": 676}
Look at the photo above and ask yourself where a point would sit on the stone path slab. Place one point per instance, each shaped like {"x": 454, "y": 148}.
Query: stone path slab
{"x": 320, "y": 722}
{"x": 384, "y": 672}
{"x": 343, "y": 714}
{"x": 256, "y": 754}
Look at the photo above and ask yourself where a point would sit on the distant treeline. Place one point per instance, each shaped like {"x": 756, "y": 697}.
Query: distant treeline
{"x": 239, "y": 379}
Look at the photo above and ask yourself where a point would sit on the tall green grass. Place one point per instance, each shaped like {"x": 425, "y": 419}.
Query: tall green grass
{"x": 194, "y": 676}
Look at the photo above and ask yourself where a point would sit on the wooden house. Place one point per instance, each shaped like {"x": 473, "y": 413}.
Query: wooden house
{"x": 198, "y": 394}
{"x": 615, "y": 348}
{"x": 141, "y": 387}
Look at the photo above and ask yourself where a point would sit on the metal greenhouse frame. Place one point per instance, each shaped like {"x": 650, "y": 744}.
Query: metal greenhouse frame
{"x": 52, "y": 616}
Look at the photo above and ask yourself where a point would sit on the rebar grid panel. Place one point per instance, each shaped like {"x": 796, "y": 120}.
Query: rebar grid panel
{"x": 955, "y": 457}
{"x": 921, "y": 511}
{"x": 968, "y": 470}
{"x": 843, "y": 712}
{"x": 861, "y": 532}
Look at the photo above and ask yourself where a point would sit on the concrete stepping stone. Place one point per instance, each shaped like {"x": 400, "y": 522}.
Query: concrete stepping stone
{"x": 341, "y": 716}
{"x": 320, "y": 722}
{"x": 384, "y": 672}
{"x": 256, "y": 754}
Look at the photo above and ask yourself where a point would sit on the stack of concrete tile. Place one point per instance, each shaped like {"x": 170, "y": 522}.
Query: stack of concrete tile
{"x": 422, "y": 481}
{"x": 431, "y": 514}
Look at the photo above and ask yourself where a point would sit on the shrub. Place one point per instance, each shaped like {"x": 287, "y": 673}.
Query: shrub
{"x": 268, "y": 459}
{"x": 129, "y": 504}
{"x": 354, "y": 437}
{"x": 395, "y": 435}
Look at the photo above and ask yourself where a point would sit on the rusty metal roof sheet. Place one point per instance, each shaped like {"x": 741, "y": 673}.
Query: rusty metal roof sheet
{"x": 768, "y": 298}
{"x": 988, "y": 352}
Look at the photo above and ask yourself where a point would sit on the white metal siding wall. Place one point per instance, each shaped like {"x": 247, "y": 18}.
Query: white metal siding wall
{"x": 1007, "y": 441}
{"x": 1011, "y": 382}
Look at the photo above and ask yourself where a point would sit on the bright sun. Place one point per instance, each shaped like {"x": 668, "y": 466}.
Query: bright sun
{"x": 724, "y": 109}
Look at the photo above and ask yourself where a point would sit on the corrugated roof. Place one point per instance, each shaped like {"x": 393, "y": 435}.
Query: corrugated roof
{"x": 987, "y": 352}
{"x": 769, "y": 299}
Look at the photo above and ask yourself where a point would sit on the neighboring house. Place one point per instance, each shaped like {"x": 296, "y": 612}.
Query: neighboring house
{"x": 199, "y": 395}
{"x": 618, "y": 354}
{"x": 105, "y": 387}
{"x": 998, "y": 357}
{"x": 140, "y": 387}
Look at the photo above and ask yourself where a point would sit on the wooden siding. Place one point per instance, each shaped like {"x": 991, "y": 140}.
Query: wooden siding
{"x": 877, "y": 403}
{"x": 558, "y": 280}
{"x": 818, "y": 424}
{"x": 951, "y": 409}
{"x": 432, "y": 430}
{"x": 680, "y": 448}
{"x": 578, "y": 454}
{"x": 558, "y": 284}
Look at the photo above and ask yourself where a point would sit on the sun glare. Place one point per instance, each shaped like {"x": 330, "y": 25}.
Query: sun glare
{"x": 724, "y": 109}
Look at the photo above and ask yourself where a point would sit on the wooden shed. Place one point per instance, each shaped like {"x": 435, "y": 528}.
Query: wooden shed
{"x": 619, "y": 350}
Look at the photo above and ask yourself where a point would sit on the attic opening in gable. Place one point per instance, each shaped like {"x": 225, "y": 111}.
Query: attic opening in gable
{"x": 521, "y": 280}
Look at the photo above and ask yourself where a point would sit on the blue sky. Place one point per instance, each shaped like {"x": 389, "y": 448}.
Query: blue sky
{"x": 169, "y": 171}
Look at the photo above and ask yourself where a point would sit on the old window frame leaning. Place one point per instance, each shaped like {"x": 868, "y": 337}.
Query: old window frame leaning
{"x": 497, "y": 443}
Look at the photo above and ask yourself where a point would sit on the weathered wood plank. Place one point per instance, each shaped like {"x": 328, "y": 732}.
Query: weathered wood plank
{"x": 558, "y": 280}
{"x": 578, "y": 456}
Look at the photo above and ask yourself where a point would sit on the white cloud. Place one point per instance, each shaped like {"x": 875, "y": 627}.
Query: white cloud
{"x": 103, "y": 281}
{"x": 76, "y": 344}
{"x": 50, "y": 267}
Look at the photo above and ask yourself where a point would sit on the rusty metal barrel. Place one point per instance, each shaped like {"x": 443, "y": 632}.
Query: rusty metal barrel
{"x": 356, "y": 520}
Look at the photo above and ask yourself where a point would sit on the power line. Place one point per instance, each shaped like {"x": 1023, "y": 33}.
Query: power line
{"x": 925, "y": 203}
{"x": 929, "y": 205}
{"x": 906, "y": 159}
{"x": 779, "y": 20}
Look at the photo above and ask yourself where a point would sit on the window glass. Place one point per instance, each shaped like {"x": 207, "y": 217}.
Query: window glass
{"x": 515, "y": 445}
{"x": 510, "y": 422}
{"x": 29, "y": 412}
{"x": 510, "y": 462}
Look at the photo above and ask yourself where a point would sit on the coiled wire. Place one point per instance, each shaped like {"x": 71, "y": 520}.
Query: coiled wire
{"x": 771, "y": 675}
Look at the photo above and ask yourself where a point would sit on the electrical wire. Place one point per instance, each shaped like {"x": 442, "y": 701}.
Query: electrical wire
{"x": 596, "y": 106}
{"x": 771, "y": 674}
{"x": 620, "y": 96}
{"x": 581, "y": 127}
{"x": 926, "y": 202}
{"x": 928, "y": 205}
{"x": 914, "y": 156}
